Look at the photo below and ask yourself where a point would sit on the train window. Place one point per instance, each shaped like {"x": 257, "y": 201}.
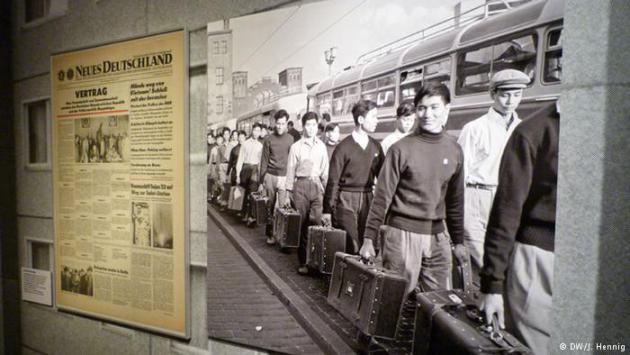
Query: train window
{"x": 386, "y": 81}
{"x": 371, "y": 96}
{"x": 474, "y": 71}
{"x": 438, "y": 71}
{"x": 338, "y": 94}
{"x": 552, "y": 72}
{"x": 353, "y": 90}
{"x": 410, "y": 79}
{"x": 385, "y": 98}
{"x": 475, "y": 67}
{"x": 368, "y": 86}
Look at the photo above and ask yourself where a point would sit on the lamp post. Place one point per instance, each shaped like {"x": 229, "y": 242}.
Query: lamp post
{"x": 329, "y": 56}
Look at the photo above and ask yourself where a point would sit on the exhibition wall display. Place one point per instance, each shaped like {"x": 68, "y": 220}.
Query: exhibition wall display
{"x": 119, "y": 175}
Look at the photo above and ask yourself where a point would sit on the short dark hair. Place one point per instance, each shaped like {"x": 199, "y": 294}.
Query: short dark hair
{"x": 361, "y": 108}
{"x": 326, "y": 116}
{"x": 281, "y": 113}
{"x": 309, "y": 116}
{"x": 242, "y": 132}
{"x": 225, "y": 129}
{"x": 433, "y": 88}
{"x": 405, "y": 108}
{"x": 257, "y": 124}
{"x": 290, "y": 123}
{"x": 331, "y": 127}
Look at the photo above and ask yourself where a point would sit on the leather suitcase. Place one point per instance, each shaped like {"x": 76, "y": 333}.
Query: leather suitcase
{"x": 448, "y": 322}
{"x": 259, "y": 210}
{"x": 286, "y": 227}
{"x": 368, "y": 296}
{"x": 236, "y": 199}
{"x": 322, "y": 244}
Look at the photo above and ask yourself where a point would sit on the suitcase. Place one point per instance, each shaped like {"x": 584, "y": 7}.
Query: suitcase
{"x": 236, "y": 199}
{"x": 322, "y": 244}
{"x": 368, "y": 296}
{"x": 286, "y": 227}
{"x": 259, "y": 210}
{"x": 448, "y": 322}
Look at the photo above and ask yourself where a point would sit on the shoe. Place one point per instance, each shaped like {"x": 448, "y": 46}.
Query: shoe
{"x": 270, "y": 241}
{"x": 303, "y": 270}
{"x": 251, "y": 222}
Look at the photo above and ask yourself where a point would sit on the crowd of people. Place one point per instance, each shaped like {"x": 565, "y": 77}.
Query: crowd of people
{"x": 421, "y": 196}
{"x": 101, "y": 148}
{"x": 77, "y": 280}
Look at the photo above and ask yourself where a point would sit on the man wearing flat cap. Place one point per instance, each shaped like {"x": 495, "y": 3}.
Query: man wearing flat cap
{"x": 482, "y": 141}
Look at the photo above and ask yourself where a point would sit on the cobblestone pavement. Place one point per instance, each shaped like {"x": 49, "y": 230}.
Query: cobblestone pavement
{"x": 239, "y": 301}
{"x": 314, "y": 290}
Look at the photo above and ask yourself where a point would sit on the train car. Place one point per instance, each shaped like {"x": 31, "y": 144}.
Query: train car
{"x": 294, "y": 104}
{"x": 527, "y": 37}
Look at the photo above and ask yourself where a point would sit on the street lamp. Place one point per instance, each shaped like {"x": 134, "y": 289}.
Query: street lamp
{"x": 330, "y": 57}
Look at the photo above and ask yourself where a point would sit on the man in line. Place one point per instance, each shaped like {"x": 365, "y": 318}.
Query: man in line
{"x": 273, "y": 166}
{"x": 521, "y": 232}
{"x": 307, "y": 173}
{"x": 331, "y": 138}
{"x": 214, "y": 168}
{"x": 241, "y": 136}
{"x": 482, "y": 141}
{"x": 421, "y": 185}
{"x": 210, "y": 173}
{"x": 354, "y": 166}
{"x": 294, "y": 132}
{"x": 247, "y": 169}
{"x": 405, "y": 119}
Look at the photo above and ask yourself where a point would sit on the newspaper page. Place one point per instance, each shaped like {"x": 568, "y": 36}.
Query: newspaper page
{"x": 119, "y": 181}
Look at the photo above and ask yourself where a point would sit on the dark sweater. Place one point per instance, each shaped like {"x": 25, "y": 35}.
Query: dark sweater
{"x": 233, "y": 157}
{"x": 352, "y": 169}
{"x": 275, "y": 152}
{"x": 420, "y": 185}
{"x": 524, "y": 207}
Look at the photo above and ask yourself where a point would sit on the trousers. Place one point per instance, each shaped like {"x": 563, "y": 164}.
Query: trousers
{"x": 423, "y": 259}
{"x": 528, "y": 296}
{"x": 477, "y": 206}
{"x": 308, "y": 200}
{"x": 350, "y": 215}
{"x": 272, "y": 185}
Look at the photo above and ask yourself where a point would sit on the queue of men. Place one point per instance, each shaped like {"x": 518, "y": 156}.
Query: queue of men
{"x": 421, "y": 196}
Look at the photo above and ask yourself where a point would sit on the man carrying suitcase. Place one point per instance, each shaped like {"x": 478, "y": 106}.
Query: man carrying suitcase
{"x": 307, "y": 173}
{"x": 519, "y": 245}
{"x": 273, "y": 166}
{"x": 354, "y": 165}
{"x": 247, "y": 169}
{"x": 420, "y": 186}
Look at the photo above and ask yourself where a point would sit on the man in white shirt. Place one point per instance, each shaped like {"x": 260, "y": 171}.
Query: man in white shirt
{"x": 307, "y": 173}
{"x": 405, "y": 120}
{"x": 247, "y": 169}
{"x": 482, "y": 142}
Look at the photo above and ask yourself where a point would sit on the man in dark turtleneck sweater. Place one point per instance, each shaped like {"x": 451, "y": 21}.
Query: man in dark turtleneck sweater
{"x": 273, "y": 167}
{"x": 421, "y": 184}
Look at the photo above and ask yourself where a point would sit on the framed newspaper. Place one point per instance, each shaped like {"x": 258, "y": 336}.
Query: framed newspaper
{"x": 120, "y": 170}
